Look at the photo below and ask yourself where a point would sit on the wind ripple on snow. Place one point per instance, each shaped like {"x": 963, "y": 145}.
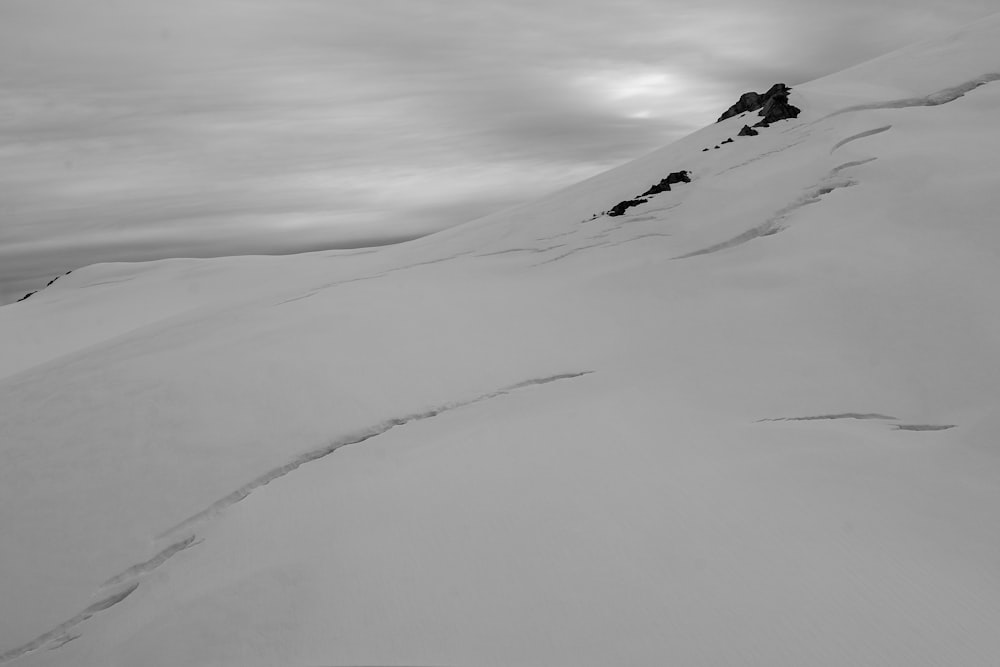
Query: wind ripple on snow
{"x": 58, "y": 636}
{"x": 773, "y": 224}
{"x": 860, "y": 135}
{"x": 316, "y": 454}
{"x": 840, "y": 415}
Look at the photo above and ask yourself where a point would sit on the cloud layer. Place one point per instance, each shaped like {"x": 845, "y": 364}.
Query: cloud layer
{"x": 135, "y": 129}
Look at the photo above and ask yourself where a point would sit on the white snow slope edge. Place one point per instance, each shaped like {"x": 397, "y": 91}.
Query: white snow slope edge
{"x": 541, "y": 439}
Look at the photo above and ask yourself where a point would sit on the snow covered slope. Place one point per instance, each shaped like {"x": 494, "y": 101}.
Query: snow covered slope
{"x": 752, "y": 421}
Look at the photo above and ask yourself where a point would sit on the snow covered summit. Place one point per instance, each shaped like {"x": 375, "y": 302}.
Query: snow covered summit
{"x": 752, "y": 420}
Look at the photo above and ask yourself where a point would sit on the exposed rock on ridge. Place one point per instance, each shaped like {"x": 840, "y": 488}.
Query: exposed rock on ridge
{"x": 773, "y": 105}
{"x": 663, "y": 186}
{"x": 622, "y": 206}
{"x": 777, "y": 107}
{"x": 30, "y": 294}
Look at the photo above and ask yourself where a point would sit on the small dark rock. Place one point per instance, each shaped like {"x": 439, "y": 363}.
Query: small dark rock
{"x": 37, "y": 291}
{"x": 728, "y": 141}
{"x": 703, "y": 150}
{"x": 622, "y": 206}
{"x": 748, "y": 131}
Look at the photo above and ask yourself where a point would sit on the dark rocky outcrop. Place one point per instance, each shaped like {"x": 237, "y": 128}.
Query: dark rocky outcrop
{"x": 785, "y": 112}
{"x": 773, "y": 105}
{"x": 622, "y": 206}
{"x": 37, "y": 291}
{"x": 748, "y": 102}
{"x": 57, "y": 278}
{"x": 748, "y": 131}
{"x": 664, "y": 185}
{"x": 777, "y": 108}
{"x": 728, "y": 141}
{"x": 683, "y": 176}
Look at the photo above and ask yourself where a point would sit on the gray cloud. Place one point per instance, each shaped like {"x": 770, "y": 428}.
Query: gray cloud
{"x": 133, "y": 129}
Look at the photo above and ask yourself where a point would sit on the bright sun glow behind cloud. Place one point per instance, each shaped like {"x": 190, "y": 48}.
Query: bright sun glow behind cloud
{"x": 632, "y": 94}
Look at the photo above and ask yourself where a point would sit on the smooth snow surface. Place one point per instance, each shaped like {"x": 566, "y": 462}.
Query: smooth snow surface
{"x": 754, "y": 421}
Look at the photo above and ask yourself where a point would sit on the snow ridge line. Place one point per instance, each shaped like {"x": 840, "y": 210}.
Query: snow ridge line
{"x": 570, "y": 252}
{"x": 934, "y": 99}
{"x": 374, "y": 276}
{"x": 159, "y": 559}
{"x": 356, "y": 438}
{"x": 603, "y": 244}
{"x": 60, "y": 631}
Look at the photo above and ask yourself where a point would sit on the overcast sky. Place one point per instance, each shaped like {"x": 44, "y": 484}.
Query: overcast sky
{"x": 137, "y": 129}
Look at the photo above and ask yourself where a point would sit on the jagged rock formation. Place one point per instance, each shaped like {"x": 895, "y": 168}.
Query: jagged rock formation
{"x": 751, "y": 101}
{"x": 664, "y": 185}
{"x": 777, "y": 107}
{"x": 728, "y": 141}
{"x": 682, "y": 176}
{"x": 773, "y": 105}
{"x": 748, "y": 102}
{"x": 748, "y": 131}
